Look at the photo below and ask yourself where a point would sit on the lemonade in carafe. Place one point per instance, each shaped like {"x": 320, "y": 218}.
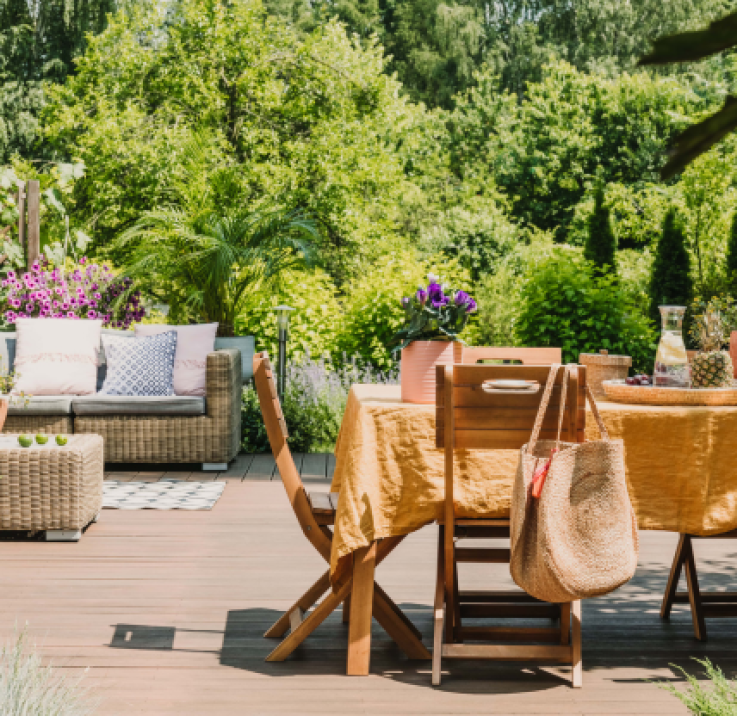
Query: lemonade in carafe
{"x": 671, "y": 361}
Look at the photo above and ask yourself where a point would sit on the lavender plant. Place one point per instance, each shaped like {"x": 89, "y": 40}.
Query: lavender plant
{"x": 432, "y": 315}
{"x": 314, "y": 402}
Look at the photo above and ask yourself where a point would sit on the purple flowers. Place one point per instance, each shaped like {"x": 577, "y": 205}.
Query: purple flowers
{"x": 437, "y": 312}
{"x": 51, "y": 293}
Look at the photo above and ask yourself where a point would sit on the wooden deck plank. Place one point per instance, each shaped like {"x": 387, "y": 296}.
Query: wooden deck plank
{"x": 262, "y": 467}
{"x": 196, "y": 590}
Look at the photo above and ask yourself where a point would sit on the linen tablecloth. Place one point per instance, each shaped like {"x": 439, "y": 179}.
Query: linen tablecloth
{"x": 681, "y": 469}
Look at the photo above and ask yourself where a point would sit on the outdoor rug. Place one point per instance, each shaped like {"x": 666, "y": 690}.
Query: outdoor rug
{"x": 163, "y": 495}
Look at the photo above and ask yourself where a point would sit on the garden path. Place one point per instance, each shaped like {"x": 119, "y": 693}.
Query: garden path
{"x": 168, "y": 609}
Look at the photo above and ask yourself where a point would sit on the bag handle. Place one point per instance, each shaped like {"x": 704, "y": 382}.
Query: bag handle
{"x": 597, "y": 416}
{"x": 544, "y": 406}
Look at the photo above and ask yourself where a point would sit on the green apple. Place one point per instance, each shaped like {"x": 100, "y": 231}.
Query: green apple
{"x": 25, "y": 440}
{"x": 42, "y": 439}
{"x": 61, "y": 440}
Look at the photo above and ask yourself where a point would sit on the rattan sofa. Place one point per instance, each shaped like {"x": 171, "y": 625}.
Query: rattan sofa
{"x": 181, "y": 429}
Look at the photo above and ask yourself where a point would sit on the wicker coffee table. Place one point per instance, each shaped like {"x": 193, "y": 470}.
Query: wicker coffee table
{"x": 57, "y": 490}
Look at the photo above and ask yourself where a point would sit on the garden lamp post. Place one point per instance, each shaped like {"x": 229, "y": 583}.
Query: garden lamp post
{"x": 282, "y": 323}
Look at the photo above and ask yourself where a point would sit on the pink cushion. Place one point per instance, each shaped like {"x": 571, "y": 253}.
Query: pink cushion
{"x": 57, "y": 356}
{"x": 190, "y": 360}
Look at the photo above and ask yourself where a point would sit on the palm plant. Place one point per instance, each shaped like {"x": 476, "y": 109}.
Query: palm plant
{"x": 203, "y": 251}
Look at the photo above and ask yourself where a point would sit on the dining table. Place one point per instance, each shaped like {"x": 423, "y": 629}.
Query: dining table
{"x": 389, "y": 476}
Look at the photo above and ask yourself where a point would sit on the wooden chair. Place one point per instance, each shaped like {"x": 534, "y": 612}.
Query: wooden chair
{"x": 703, "y": 605}
{"x": 470, "y": 418}
{"x": 315, "y": 513}
{"x": 527, "y": 356}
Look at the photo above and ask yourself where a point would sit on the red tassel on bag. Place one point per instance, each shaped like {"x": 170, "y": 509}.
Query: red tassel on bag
{"x": 538, "y": 479}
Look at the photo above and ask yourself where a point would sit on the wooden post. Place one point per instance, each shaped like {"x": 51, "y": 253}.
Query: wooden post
{"x": 33, "y": 248}
{"x": 22, "y": 214}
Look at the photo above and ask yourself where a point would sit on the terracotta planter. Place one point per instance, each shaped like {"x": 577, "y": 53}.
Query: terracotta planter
{"x": 419, "y": 359}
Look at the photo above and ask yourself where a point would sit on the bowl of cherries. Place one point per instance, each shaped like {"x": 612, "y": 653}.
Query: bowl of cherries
{"x": 639, "y": 380}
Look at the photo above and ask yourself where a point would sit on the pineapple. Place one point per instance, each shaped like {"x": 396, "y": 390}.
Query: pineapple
{"x": 711, "y": 367}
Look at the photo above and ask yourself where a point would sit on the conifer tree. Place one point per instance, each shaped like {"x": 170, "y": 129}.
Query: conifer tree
{"x": 601, "y": 244}
{"x": 732, "y": 258}
{"x": 670, "y": 281}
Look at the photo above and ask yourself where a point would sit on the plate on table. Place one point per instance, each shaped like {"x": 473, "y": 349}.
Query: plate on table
{"x": 516, "y": 386}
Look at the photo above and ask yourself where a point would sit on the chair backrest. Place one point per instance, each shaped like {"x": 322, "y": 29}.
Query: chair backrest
{"x": 276, "y": 429}
{"x": 469, "y": 417}
{"x": 502, "y": 420}
{"x": 526, "y": 356}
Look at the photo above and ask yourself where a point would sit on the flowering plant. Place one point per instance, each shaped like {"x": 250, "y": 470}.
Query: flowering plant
{"x": 435, "y": 313}
{"x": 86, "y": 290}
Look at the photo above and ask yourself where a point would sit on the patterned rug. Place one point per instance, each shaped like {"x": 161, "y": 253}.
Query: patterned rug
{"x": 164, "y": 495}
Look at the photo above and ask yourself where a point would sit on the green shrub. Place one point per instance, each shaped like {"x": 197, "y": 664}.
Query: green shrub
{"x": 372, "y": 309}
{"x": 601, "y": 245}
{"x": 498, "y": 293}
{"x": 564, "y": 305}
{"x": 315, "y": 396}
{"x": 670, "y": 282}
{"x": 720, "y": 699}
{"x": 314, "y": 324}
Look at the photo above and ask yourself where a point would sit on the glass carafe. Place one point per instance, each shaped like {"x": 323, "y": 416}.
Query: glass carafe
{"x": 671, "y": 361}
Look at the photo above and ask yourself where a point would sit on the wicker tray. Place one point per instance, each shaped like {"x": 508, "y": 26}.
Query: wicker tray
{"x": 619, "y": 392}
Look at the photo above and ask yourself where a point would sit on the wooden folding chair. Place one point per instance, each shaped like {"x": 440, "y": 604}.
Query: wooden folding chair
{"x": 526, "y": 356}
{"x": 703, "y": 604}
{"x": 471, "y": 419}
{"x": 315, "y": 513}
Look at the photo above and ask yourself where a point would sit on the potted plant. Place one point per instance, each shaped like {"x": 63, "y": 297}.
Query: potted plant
{"x": 434, "y": 317}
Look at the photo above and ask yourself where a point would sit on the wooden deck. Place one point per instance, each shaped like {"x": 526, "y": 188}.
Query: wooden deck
{"x": 168, "y": 611}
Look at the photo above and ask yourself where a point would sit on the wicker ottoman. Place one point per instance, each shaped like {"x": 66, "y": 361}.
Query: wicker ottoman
{"x": 50, "y": 488}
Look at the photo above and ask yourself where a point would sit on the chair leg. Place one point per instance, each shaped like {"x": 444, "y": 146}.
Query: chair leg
{"x": 396, "y": 626}
{"x": 694, "y": 594}
{"x": 675, "y": 574}
{"x": 314, "y": 619}
{"x": 456, "y": 606}
{"x": 399, "y": 613}
{"x": 305, "y": 602}
{"x": 439, "y": 608}
{"x": 577, "y": 670}
{"x": 347, "y": 610}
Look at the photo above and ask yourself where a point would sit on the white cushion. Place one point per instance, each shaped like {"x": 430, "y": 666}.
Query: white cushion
{"x": 190, "y": 362}
{"x": 57, "y": 356}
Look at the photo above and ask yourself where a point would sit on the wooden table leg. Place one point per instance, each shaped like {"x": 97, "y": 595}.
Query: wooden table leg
{"x": 675, "y": 574}
{"x": 362, "y": 599}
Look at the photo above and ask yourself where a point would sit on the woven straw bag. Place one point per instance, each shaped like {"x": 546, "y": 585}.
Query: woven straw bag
{"x": 579, "y": 539}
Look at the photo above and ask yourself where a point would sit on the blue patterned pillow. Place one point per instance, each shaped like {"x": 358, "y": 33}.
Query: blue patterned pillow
{"x": 140, "y": 366}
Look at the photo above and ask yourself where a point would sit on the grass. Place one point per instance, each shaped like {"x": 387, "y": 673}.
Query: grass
{"x": 29, "y": 688}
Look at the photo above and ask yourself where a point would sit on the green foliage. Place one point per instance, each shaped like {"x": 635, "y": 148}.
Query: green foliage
{"x": 38, "y": 42}
{"x": 601, "y": 245}
{"x": 545, "y": 150}
{"x": 312, "y": 122}
{"x": 498, "y": 294}
{"x": 731, "y": 258}
{"x": 670, "y": 282}
{"x": 563, "y": 304}
{"x": 372, "y": 305}
{"x": 719, "y": 698}
{"x": 204, "y": 252}
{"x": 314, "y": 325}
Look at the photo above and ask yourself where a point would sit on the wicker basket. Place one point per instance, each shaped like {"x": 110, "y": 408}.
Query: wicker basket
{"x": 600, "y": 367}
{"x": 619, "y": 392}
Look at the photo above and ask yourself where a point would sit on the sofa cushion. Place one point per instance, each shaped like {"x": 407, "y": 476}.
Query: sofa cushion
{"x": 44, "y": 405}
{"x": 246, "y": 345}
{"x": 194, "y": 342}
{"x": 57, "y": 356}
{"x": 142, "y": 366}
{"x": 138, "y": 405}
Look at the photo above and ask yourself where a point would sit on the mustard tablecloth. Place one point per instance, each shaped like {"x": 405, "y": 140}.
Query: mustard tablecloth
{"x": 681, "y": 469}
